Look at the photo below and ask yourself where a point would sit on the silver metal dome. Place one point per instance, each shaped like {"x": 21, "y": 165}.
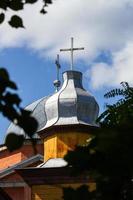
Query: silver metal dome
{"x": 38, "y": 112}
{"x": 72, "y": 104}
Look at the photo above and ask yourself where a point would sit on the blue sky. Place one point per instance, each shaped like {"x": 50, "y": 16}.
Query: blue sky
{"x": 103, "y": 27}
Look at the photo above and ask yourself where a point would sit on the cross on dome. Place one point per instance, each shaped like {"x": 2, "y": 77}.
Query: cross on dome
{"x": 57, "y": 62}
{"x": 72, "y": 49}
{"x": 57, "y": 81}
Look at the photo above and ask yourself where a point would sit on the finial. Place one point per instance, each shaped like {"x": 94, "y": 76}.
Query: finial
{"x": 57, "y": 82}
{"x": 72, "y": 49}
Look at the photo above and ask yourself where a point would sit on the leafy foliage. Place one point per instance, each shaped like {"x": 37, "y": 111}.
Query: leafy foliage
{"x": 10, "y": 108}
{"x": 76, "y": 194}
{"x": 2, "y": 17}
{"x": 14, "y": 141}
{"x": 107, "y": 157}
{"x": 120, "y": 113}
{"x": 17, "y": 5}
{"x": 16, "y": 22}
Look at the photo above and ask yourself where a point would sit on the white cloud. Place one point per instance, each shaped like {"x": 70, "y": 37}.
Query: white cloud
{"x": 111, "y": 75}
{"x": 96, "y": 24}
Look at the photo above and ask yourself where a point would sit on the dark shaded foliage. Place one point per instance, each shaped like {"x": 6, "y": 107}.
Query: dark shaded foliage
{"x": 17, "y": 5}
{"x": 2, "y": 17}
{"x": 14, "y": 141}
{"x": 120, "y": 113}
{"x": 76, "y": 194}
{"x": 10, "y": 108}
{"x": 16, "y": 22}
{"x": 107, "y": 157}
{"x": 10, "y": 102}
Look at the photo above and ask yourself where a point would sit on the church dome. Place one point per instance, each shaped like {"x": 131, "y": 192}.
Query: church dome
{"x": 71, "y": 105}
{"x": 38, "y": 112}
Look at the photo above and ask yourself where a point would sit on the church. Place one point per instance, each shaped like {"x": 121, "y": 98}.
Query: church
{"x": 65, "y": 119}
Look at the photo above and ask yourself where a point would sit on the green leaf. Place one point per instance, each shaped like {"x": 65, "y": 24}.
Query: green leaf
{"x": 4, "y": 4}
{"x": 31, "y": 1}
{"x": 2, "y": 17}
{"x": 48, "y": 1}
{"x": 14, "y": 141}
{"x": 12, "y": 85}
{"x": 16, "y": 22}
{"x": 27, "y": 122}
{"x": 25, "y": 113}
{"x": 9, "y": 112}
{"x": 11, "y": 99}
{"x": 4, "y": 74}
{"x": 79, "y": 193}
{"x": 2, "y": 88}
{"x": 16, "y": 5}
{"x": 5, "y": 80}
{"x": 43, "y": 11}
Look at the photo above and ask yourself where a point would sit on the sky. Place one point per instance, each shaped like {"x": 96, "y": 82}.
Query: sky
{"x": 104, "y": 28}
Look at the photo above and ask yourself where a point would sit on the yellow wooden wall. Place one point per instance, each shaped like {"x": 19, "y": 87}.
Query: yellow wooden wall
{"x": 57, "y": 145}
{"x": 54, "y": 192}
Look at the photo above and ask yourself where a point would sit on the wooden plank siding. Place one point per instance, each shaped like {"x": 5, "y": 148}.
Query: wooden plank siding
{"x": 54, "y": 192}
{"x": 57, "y": 145}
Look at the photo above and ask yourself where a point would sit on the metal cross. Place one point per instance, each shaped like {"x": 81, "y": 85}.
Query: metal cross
{"x": 72, "y": 49}
{"x": 57, "y": 81}
{"x": 57, "y": 62}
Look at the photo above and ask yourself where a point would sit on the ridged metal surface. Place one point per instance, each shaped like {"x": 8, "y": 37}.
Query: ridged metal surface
{"x": 71, "y": 105}
{"x": 38, "y": 111}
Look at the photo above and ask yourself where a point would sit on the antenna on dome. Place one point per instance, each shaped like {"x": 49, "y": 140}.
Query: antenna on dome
{"x": 57, "y": 82}
{"x": 72, "y": 49}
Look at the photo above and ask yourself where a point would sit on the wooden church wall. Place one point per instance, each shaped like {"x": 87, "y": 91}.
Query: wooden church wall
{"x": 60, "y": 143}
{"x": 54, "y": 192}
